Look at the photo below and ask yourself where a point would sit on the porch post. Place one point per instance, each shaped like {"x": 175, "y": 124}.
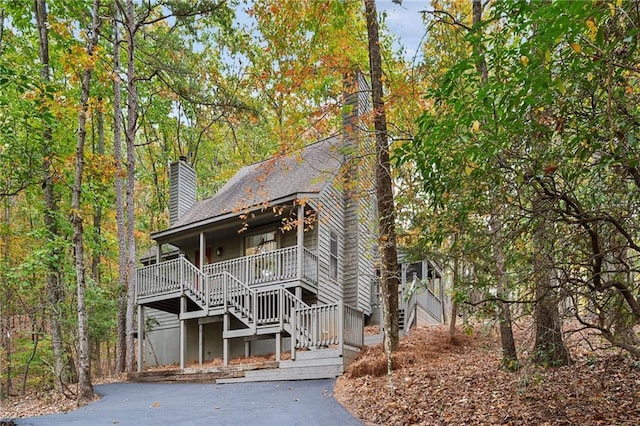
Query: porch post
{"x": 140, "y": 338}
{"x": 200, "y": 344}
{"x": 225, "y": 341}
{"x": 203, "y": 250}
{"x": 159, "y": 254}
{"x": 278, "y": 346}
{"x": 183, "y": 331}
{"x": 300, "y": 249}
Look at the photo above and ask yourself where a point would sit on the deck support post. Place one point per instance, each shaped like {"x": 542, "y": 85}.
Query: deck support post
{"x": 247, "y": 348}
{"x": 183, "y": 331}
{"x": 200, "y": 344}
{"x": 140, "y": 338}
{"x": 294, "y": 334}
{"x": 300, "y": 242}
{"x": 278, "y": 346}
{"x": 225, "y": 341}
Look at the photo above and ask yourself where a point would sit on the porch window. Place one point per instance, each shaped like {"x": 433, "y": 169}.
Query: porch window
{"x": 260, "y": 243}
{"x": 262, "y": 265}
{"x": 333, "y": 256}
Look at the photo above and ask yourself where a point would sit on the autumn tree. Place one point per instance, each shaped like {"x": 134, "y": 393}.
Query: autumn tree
{"x": 384, "y": 189}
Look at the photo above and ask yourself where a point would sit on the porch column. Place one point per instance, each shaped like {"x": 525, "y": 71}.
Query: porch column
{"x": 200, "y": 344}
{"x": 300, "y": 248}
{"x": 159, "y": 254}
{"x": 140, "y": 338}
{"x": 225, "y": 341}
{"x": 183, "y": 331}
{"x": 278, "y": 346}
{"x": 203, "y": 249}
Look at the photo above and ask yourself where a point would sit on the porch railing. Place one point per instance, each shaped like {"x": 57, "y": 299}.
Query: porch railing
{"x": 274, "y": 266}
{"x": 159, "y": 279}
{"x": 325, "y": 325}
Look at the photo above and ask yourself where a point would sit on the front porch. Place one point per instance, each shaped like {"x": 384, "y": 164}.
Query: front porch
{"x": 262, "y": 296}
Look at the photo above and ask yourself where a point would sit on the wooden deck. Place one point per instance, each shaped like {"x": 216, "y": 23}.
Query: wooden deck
{"x": 261, "y": 312}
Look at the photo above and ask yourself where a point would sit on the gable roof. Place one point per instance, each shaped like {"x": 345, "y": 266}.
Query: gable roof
{"x": 262, "y": 184}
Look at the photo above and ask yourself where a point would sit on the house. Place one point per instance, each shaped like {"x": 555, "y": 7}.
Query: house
{"x": 282, "y": 259}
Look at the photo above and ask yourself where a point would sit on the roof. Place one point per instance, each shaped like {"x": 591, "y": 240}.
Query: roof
{"x": 262, "y": 184}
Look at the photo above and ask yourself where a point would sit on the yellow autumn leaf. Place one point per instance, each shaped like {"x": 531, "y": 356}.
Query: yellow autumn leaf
{"x": 475, "y": 126}
{"x": 468, "y": 170}
{"x": 525, "y": 60}
{"x": 576, "y": 47}
{"x": 593, "y": 29}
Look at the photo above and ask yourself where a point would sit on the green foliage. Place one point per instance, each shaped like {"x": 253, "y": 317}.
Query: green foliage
{"x": 550, "y": 134}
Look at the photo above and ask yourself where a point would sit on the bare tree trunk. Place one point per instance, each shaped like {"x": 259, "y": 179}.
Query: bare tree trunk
{"x": 121, "y": 344}
{"x": 85, "y": 387}
{"x": 509, "y": 354}
{"x": 132, "y": 116}
{"x": 454, "y": 303}
{"x": 549, "y": 349}
{"x": 384, "y": 190}
{"x": 55, "y": 291}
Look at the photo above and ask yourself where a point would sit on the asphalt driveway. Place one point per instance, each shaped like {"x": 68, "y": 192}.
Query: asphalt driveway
{"x": 308, "y": 402}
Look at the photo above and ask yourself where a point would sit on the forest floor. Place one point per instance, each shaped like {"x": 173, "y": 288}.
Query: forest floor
{"x": 439, "y": 381}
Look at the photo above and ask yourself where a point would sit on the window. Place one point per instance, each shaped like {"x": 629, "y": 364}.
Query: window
{"x": 263, "y": 262}
{"x": 333, "y": 256}
{"x": 260, "y": 243}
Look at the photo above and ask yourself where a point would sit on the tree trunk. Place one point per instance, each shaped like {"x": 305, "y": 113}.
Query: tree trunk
{"x": 384, "y": 190}
{"x": 132, "y": 116}
{"x": 121, "y": 326}
{"x": 549, "y": 349}
{"x": 6, "y": 309}
{"x": 97, "y": 210}
{"x": 85, "y": 387}
{"x": 454, "y": 303}
{"x": 55, "y": 292}
{"x": 509, "y": 354}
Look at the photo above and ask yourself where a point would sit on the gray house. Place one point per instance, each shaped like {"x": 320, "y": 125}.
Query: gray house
{"x": 281, "y": 260}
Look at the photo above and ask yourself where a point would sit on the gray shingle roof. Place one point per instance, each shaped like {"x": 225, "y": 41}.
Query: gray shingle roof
{"x": 307, "y": 171}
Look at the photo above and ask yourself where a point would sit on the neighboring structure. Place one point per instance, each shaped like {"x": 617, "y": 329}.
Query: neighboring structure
{"x": 281, "y": 259}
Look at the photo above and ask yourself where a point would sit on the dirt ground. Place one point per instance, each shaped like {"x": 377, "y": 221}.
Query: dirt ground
{"x": 439, "y": 381}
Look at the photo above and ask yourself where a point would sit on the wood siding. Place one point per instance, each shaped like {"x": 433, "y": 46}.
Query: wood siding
{"x": 182, "y": 190}
{"x": 330, "y": 218}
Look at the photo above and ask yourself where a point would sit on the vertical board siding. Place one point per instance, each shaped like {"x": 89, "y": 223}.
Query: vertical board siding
{"x": 330, "y": 217}
{"x": 182, "y": 190}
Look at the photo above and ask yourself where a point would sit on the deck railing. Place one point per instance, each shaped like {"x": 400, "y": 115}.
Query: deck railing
{"x": 274, "y": 266}
{"x": 159, "y": 279}
{"x": 353, "y": 327}
{"x": 325, "y": 325}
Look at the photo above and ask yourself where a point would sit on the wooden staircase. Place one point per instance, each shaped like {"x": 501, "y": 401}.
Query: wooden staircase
{"x": 323, "y": 338}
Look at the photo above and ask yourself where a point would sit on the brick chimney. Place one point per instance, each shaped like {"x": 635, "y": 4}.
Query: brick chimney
{"x": 182, "y": 189}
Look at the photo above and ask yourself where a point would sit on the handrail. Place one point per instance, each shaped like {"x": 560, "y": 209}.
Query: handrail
{"x": 195, "y": 281}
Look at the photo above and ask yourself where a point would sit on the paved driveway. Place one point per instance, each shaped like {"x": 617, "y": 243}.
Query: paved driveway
{"x": 308, "y": 402}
